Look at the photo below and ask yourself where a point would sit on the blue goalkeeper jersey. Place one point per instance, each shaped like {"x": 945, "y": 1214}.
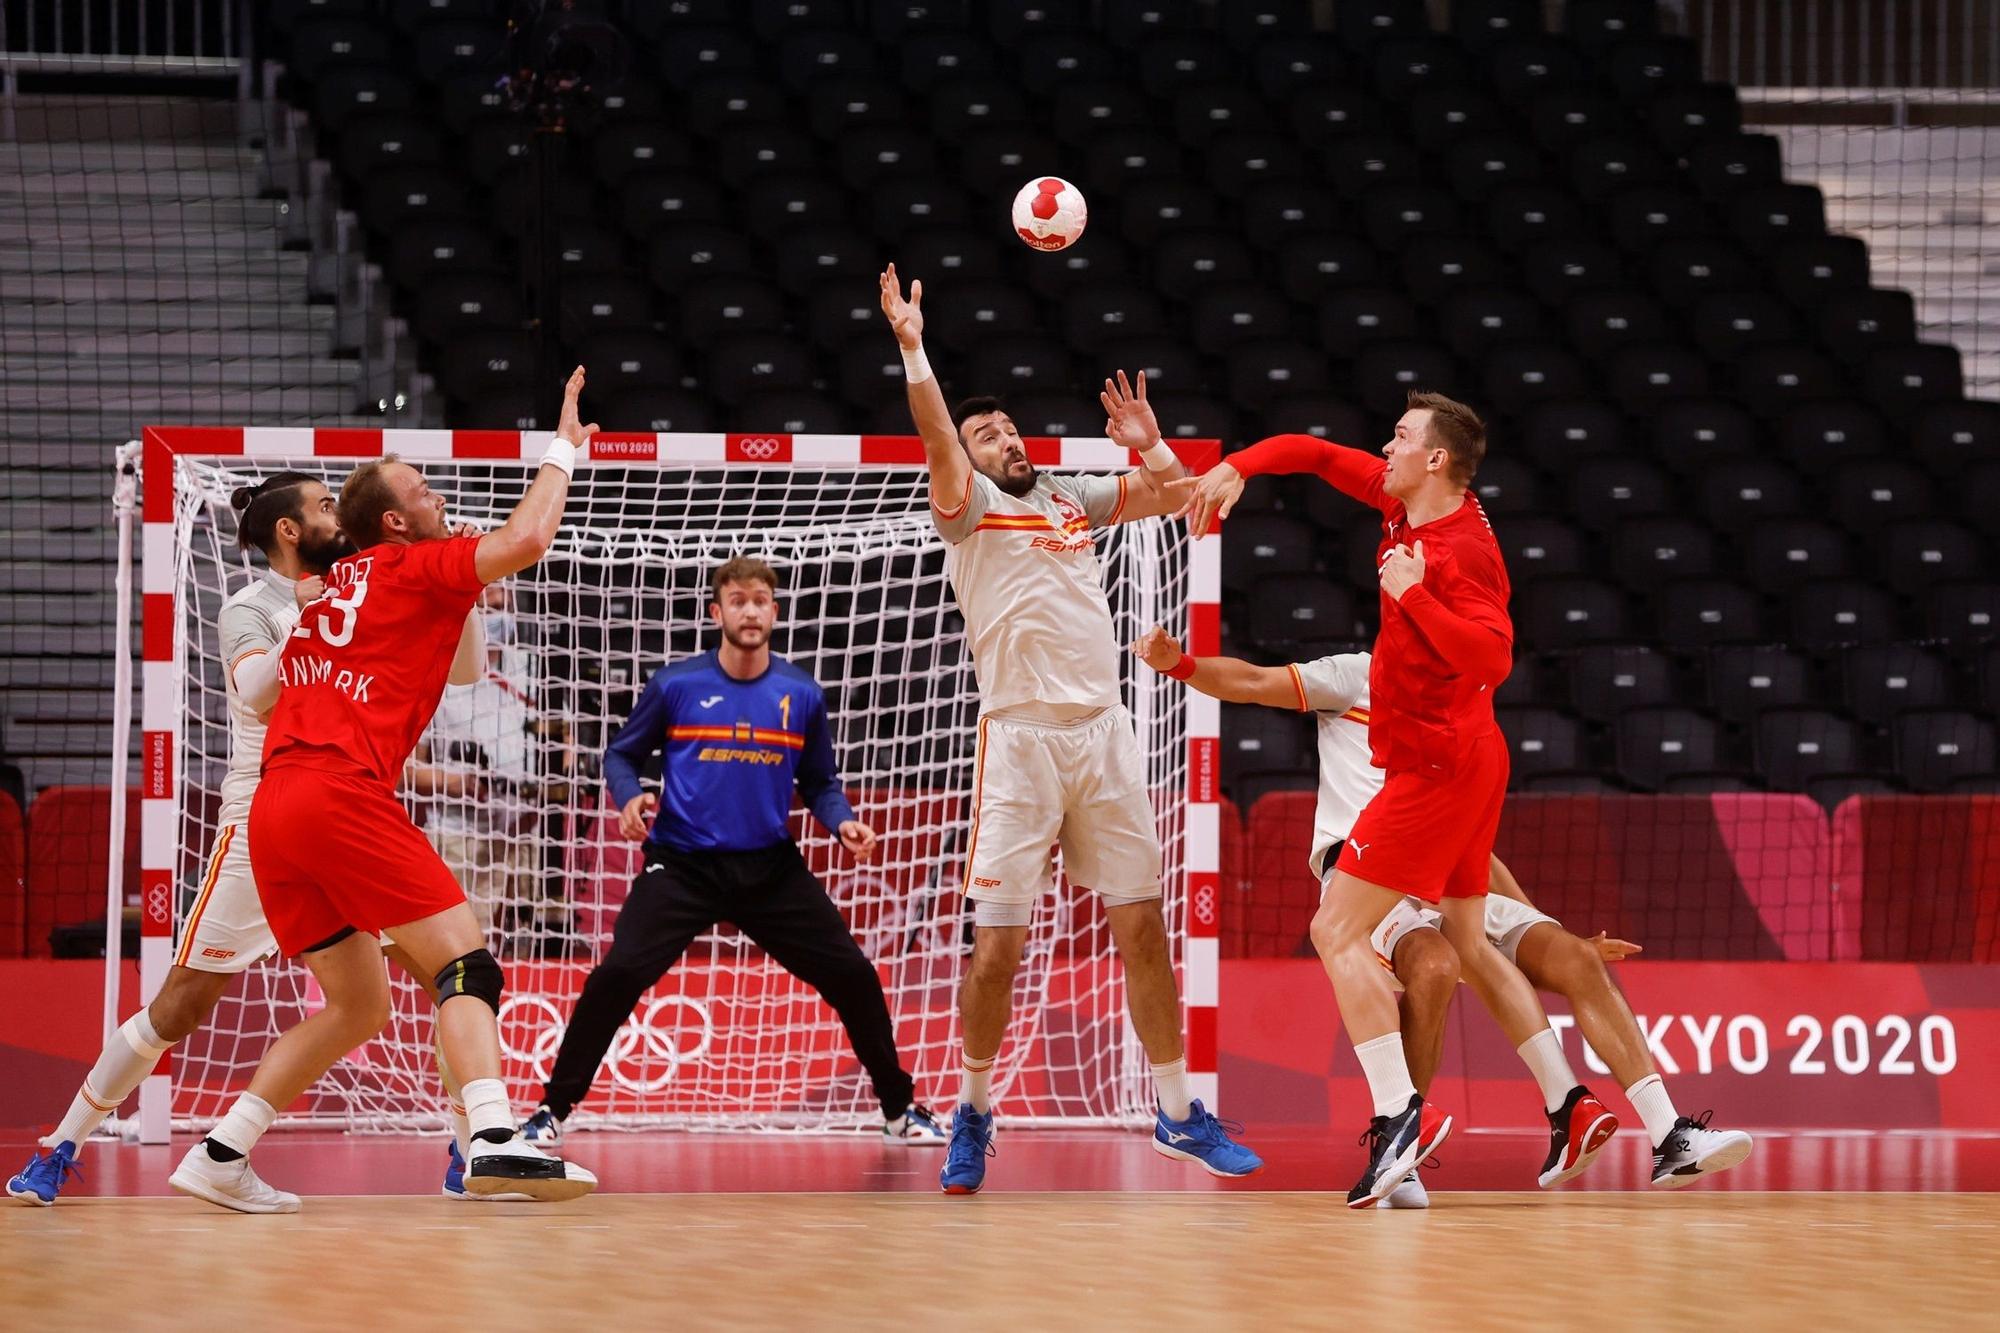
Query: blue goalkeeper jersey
{"x": 731, "y": 752}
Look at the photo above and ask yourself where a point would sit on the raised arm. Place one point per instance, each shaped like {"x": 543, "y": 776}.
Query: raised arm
{"x": 1230, "y": 679}
{"x": 1129, "y": 420}
{"x": 1354, "y": 472}
{"x": 951, "y": 470}
{"x": 531, "y": 529}
{"x": 468, "y": 663}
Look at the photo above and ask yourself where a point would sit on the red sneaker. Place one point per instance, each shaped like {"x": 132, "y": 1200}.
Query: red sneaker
{"x": 1435, "y": 1127}
{"x": 1577, "y": 1133}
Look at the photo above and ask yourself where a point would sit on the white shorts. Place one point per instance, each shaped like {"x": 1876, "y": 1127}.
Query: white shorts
{"x": 1507, "y": 920}
{"x": 1038, "y": 784}
{"x": 225, "y": 930}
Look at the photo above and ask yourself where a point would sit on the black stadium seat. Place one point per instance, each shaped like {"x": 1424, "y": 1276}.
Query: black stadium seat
{"x": 1654, "y": 744}
{"x": 1744, "y": 680}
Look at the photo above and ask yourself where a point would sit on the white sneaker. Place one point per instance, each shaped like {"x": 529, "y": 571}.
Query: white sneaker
{"x": 519, "y": 1167}
{"x": 1409, "y": 1193}
{"x": 230, "y": 1184}
{"x": 917, "y": 1127}
{"x": 1693, "y": 1150}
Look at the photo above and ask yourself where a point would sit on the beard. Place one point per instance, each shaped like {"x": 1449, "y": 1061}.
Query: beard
{"x": 1016, "y": 486}
{"x": 748, "y": 638}
{"x": 319, "y": 554}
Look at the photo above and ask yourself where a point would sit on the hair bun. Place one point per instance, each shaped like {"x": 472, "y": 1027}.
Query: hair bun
{"x": 240, "y": 498}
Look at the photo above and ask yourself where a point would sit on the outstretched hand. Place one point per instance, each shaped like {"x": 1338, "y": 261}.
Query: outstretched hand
{"x": 1210, "y": 497}
{"x": 906, "y": 318}
{"x": 568, "y": 425}
{"x": 1158, "y": 649}
{"x": 1129, "y": 418}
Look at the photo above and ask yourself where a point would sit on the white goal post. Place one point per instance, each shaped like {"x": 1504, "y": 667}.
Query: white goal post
{"x": 727, "y": 1040}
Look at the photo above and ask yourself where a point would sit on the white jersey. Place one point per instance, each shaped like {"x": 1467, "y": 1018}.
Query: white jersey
{"x": 1336, "y": 688}
{"x": 255, "y": 619}
{"x": 482, "y": 728}
{"x": 1026, "y": 576}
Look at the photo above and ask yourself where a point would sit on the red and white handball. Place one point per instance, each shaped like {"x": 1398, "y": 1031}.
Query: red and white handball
{"x": 1049, "y": 213}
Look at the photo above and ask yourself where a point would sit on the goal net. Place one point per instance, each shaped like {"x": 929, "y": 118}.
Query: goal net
{"x": 507, "y": 783}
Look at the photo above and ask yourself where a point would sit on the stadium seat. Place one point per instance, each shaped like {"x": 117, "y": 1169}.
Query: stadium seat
{"x": 1948, "y": 437}
{"x": 1607, "y": 492}
{"x": 1567, "y": 613}
{"x": 1055, "y": 414}
{"x": 1019, "y": 364}
{"x": 727, "y": 303}
{"x": 1521, "y": 217}
{"x": 1239, "y": 161}
{"x": 1099, "y": 311}
{"x": 1642, "y": 376}
{"x": 1185, "y": 262}
{"x": 1537, "y": 548}
{"x": 1728, "y": 165}
{"x": 1355, "y": 318}
{"x": 1744, "y": 680}
{"x": 1653, "y": 744}
{"x": 1320, "y": 116}
{"x": 1277, "y": 211}
{"x": 1311, "y": 267}
{"x": 1694, "y": 436}
{"x": 457, "y": 303}
{"x": 1832, "y": 613}
{"x": 1684, "y": 118}
{"x": 1812, "y": 271}
{"x": 1611, "y": 163}
{"x": 1603, "y": 323}
{"x": 1443, "y": 116}
{"x": 1781, "y": 554}
{"x": 1902, "y": 381}
{"x": 1727, "y": 323}
{"x": 1328, "y": 417}
{"x": 1855, "y": 325}
{"x": 1793, "y": 746}
{"x": 1608, "y": 679}
{"x": 1816, "y": 437}
{"x": 1542, "y": 741}
{"x": 1556, "y": 435}
{"x": 1647, "y": 553}
{"x": 1224, "y": 315}
{"x": 1967, "y": 612}
{"x": 1866, "y": 494}
{"x": 1564, "y": 267}
{"x": 603, "y": 303}
{"x": 809, "y": 257}
{"x": 1739, "y": 495}
{"x": 1776, "y": 377}
{"x": 1406, "y": 67}
{"x": 1685, "y": 269}
{"x": 745, "y": 365}
{"x": 1481, "y": 24}
{"x": 1169, "y": 365}
{"x": 1287, "y": 612}
{"x": 1393, "y": 215}
{"x": 1918, "y": 553}
{"x": 1258, "y": 547}
{"x": 1878, "y": 681}
{"x": 932, "y": 59}
{"x": 1938, "y": 748}
{"x": 1259, "y": 372}
{"x": 1522, "y": 374}
{"x": 1526, "y": 68}
{"x": 1478, "y": 319}
{"x": 1701, "y": 613}
{"x": 1385, "y": 373}
{"x": 1771, "y": 217}
{"x": 1507, "y": 486}
{"x": 1436, "y": 269}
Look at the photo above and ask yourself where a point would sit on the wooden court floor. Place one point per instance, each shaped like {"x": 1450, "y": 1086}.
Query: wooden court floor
{"x": 1017, "y": 1261}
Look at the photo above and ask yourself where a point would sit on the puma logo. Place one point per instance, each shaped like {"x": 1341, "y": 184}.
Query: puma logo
{"x": 1359, "y": 847}
{"x": 711, "y": 701}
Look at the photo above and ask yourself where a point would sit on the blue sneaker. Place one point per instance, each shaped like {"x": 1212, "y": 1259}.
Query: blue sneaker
{"x": 1202, "y": 1138}
{"x": 454, "y": 1173}
{"x": 965, "y": 1159}
{"x": 542, "y": 1129}
{"x": 42, "y": 1178}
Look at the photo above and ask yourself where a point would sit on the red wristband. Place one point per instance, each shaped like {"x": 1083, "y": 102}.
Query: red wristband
{"x": 1182, "y": 669}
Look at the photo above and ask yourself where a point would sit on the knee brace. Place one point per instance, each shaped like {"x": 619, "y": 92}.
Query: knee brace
{"x": 476, "y": 974}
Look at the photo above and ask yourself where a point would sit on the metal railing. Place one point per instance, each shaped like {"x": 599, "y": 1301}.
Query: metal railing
{"x": 1847, "y": 43}
{"x": 113, "y": 36}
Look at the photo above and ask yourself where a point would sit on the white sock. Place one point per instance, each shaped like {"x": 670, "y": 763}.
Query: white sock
{"x": 245, "y": 1124}
{"x": 1649, "y": 1098}
{"x": 1172, "y": 1083}
{"x": 1543, "y": 1054}
{"x": 132, "y": 1053}
{"x": 486, "y": 1107}
{"x": 976, "y": 1090}
{"x": 1388, "y": 1073}
{"x": 461, "y": 1130}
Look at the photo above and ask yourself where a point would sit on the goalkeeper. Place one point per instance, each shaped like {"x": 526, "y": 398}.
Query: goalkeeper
{"x": 737, "y": 728}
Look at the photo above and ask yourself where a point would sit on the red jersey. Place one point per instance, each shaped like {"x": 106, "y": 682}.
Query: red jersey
{"x": 1448, "y": 643}
{"x": 365, "y": 668}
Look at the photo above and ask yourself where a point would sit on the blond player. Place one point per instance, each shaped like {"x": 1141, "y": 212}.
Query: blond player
{"x": 1058, "y": 761}
{"x": 1409, "y": 944}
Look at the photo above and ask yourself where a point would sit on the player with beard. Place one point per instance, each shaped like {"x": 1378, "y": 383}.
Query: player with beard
{"x": 1058, "y": 758}
{"x": 292, "y": 519}
{"x": 737, "y": 728}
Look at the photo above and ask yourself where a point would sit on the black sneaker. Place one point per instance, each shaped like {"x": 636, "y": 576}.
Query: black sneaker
{"x": 1693, "y": 1150}
{"x": 1394, "y": 1144}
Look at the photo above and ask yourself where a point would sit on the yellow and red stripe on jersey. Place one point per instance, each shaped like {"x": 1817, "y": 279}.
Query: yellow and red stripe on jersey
{"x": 207, "y": 891}
{"x": 1356, "y": 714}
{"x": 742, "y": 731}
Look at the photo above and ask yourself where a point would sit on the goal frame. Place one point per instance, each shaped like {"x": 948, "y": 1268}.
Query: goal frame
{"x": 160, "y": 703}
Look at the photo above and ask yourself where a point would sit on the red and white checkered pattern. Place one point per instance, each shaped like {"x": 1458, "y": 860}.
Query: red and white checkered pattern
{"x": 160, "y": 705}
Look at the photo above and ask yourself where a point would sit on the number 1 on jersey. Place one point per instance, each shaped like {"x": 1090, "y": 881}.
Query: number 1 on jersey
{"x": 785, "y": 713}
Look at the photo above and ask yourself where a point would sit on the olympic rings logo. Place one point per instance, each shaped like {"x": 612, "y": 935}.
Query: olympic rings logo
{"x": 661, "y": 1048}
{"x": 762, "y": 448}
{"x": 157, "y": 904}
{"x": 1204, "y": 905}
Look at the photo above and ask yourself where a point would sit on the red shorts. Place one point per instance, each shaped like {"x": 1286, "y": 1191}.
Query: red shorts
{"x": 1428, "y": 837}
{"x": 330, "y": 851}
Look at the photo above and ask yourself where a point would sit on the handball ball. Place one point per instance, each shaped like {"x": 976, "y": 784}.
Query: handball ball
{"x": 1049, "y": 213}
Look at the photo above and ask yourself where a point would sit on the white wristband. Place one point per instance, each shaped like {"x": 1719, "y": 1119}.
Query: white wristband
{"x": 561, "y": 453}
{"x": 916, "y": 366}
{"x": 1159, "y": 457}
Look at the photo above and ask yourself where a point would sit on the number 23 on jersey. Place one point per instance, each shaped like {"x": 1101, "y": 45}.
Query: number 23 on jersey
{"x": 331, "y": 618}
